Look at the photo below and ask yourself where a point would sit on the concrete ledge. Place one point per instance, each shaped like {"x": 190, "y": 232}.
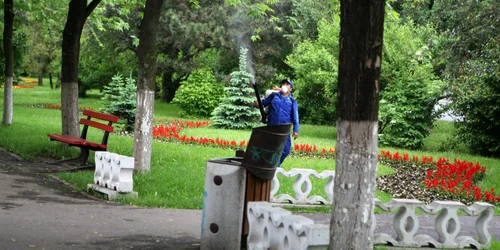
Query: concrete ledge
{"x": 112, "y": 194}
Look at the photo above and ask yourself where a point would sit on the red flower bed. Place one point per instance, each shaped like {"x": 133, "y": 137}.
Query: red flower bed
{"x": 396, "y": 158}
{"x": 184, "y": 123}
{"x": 23, "y": 86}
{"x": 458, "y": 178}
{"x": 170, "y": 132}
{"x": 29, "y": 80}
{"x": 311, "y": 150}
{"x": 58, "y": 106}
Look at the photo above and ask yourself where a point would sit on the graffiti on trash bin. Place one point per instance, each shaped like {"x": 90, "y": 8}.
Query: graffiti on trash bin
{"x": 269, "y": 156}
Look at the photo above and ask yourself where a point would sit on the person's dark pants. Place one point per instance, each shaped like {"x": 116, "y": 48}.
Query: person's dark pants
{"x": 286, "y": 150}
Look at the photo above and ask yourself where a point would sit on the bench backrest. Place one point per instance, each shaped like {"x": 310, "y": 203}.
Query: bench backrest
{"x": 106, "y": 127}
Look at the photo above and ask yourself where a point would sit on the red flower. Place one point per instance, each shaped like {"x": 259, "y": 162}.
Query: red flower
{"x": 415, "y": 158}
{"x": 395, "y": 157}
{"x": 477, "y": 194}
{"x": 405, "y": 157}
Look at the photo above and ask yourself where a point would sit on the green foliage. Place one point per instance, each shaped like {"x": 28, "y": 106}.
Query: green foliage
{"x": 306, "y": 16}
{"x": 236, "y": 110}
{"x": 43, "y": 55}
{"x": 120, "y": 95}
{"x": 473, "y": 69}
{"x": 192, "y": 37}
{"x": 199, "y": 94}
{"x": 316, "y": 64}
{"x": 409, "y": 87}
{"x": 19, "y": 47}
{"x": 479, "y": 105}
{"x": 101, "y": 58}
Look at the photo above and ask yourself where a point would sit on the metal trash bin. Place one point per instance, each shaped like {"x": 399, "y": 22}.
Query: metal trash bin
{"x": 264, "y": 150}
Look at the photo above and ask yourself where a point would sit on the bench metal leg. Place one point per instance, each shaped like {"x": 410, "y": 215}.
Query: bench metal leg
{"x": 81, "y": 159}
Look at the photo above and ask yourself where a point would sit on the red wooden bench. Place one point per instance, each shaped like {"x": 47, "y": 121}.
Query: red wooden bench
{"x": 82, "y": 142}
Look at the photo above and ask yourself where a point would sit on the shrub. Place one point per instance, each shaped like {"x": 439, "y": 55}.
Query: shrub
{"x": 120, "y": 95}
{"x": 409, "y": 87}
{"x": 480, "y": 108}
{"x": 473, "y": 71}
{"x": 315, "y": 64}
{"x": 199, "y": 94}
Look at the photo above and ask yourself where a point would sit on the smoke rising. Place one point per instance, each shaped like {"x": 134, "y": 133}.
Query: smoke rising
{"x": 240, "y": 25}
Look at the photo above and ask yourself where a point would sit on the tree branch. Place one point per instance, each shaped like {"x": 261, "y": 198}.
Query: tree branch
{"x": 91, "y": 7}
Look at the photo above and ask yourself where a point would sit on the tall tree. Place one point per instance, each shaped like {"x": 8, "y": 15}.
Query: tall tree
{"x": 8, "y": 101}
{"x": 43, "y": 54}
{"x": 361, "y": 39}
{"x": 146, "y": 52}
{"x": 186, "y": 30}
{"x": 78, "y": 13}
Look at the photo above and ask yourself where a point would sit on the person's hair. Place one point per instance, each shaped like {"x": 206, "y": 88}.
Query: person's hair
{"x": 285, "y": 81}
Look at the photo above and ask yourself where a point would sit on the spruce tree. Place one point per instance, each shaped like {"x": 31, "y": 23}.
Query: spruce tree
{"x": 236, "y": 110}
{"x": 120, "y": 97}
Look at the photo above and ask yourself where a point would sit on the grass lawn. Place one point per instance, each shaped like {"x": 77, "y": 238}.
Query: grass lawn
{"x": 176, "y": 179}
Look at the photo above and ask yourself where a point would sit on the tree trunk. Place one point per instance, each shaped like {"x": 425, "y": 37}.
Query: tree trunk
{"x": 165, "y": 78}
{"x": 40, "y": 78}
{"x": 360, "y": 59}
{"x": 50, "y": 81}
{"x": 77, "y": 15}
{"x": 157, "y": 90}
{"x": 146, "y": 52}
{"x": 169, "y": 85}
{"x": 59, "y": 80}
{"x": 8, "y": 100}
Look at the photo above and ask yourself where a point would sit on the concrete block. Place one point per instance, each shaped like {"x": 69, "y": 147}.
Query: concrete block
{"x": 223, "y": 205}
{"x": 122, "y": 178}
{"x": 111, "y": 194}
{"x": 99, "y": 166}
{"x": 114, "y": 172}
{"x": 106, "y": 173}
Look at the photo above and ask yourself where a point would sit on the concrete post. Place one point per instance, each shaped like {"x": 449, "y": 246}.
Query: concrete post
{"x": 223, "y": 204}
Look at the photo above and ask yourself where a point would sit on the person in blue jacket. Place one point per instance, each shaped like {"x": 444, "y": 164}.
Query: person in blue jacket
{"x": 283, "y": 109}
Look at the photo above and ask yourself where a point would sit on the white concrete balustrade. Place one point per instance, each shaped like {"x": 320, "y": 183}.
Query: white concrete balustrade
{"x": 302, "y": 186}
{"x": 276, "y": 228}
{"x": 113, "y": 174}
{"x": 447, "y": 224}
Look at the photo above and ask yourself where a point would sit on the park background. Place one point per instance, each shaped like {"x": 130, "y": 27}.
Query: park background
{"x": 432, "y": 52}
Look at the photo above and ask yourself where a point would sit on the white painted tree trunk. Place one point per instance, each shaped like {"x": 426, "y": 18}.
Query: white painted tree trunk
{"x": 143, "y": 135}
{"x": 146, "y": 52}
{"x": 361, "y": 40}
{"x": 69, "y": 109}
{"x": 354, "y": 190}
{"x": 8, "y": 58}
{"x": 8, "y": 100}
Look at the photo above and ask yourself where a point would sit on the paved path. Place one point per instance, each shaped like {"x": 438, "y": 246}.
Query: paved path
{"x": 40, "y": 212}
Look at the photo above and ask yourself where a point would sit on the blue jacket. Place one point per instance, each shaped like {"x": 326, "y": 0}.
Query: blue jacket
{"x": 282, "y": 110}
